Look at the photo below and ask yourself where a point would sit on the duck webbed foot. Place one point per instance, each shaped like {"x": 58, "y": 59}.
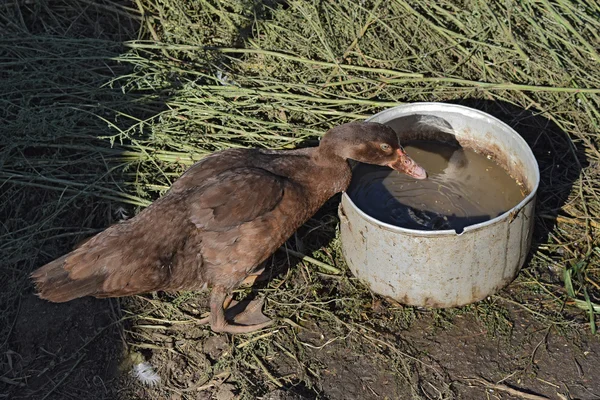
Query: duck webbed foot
{"x": 240, "y": 317}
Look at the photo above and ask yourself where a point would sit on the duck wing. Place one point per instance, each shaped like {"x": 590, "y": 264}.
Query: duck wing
{"x": 235, "y": 197}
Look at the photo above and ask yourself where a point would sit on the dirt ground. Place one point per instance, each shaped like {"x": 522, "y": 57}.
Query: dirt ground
{"x": 78, "y": 352}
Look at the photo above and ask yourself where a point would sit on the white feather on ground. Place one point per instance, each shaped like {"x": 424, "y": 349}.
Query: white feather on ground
{"x": 145, "y": 374}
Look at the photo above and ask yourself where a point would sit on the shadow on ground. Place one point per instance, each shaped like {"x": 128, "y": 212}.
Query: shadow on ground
{"x": 57, "y": 178}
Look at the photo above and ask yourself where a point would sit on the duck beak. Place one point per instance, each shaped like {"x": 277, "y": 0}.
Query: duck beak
{"x": 407, "y": 165}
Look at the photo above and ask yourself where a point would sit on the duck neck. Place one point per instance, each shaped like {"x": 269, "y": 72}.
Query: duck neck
{"x": 333, "y": 167}
{"x": 325, "y": 156}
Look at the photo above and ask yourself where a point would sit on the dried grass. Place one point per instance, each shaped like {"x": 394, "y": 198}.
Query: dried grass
{"x": 105, "y": 103}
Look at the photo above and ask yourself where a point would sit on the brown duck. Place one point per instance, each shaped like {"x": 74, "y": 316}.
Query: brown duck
{"x": 219, "y": 221}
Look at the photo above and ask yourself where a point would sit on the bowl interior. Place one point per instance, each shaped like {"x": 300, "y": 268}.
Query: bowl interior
{"x": 469, "y": 128}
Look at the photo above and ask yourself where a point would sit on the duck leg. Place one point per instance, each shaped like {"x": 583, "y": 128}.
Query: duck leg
{"x": 218, "y": 323}
{"x": 254, "y": 276}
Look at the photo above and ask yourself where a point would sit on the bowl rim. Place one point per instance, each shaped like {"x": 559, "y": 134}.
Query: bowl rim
{"x": 418, "y": 107}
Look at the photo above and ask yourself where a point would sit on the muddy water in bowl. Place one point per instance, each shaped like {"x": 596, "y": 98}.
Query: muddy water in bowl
{"x": 463, "y": 188}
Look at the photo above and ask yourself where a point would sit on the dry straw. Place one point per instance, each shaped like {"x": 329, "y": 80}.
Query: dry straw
{"x": 104, "y": 103}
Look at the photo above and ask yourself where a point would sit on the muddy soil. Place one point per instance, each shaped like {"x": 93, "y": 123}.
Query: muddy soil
{"x": 75, "y": 351}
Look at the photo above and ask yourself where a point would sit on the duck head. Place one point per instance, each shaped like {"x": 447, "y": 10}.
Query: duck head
{"x": 370, "y": 143}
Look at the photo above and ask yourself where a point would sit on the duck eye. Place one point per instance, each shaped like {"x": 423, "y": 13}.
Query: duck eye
{"x": 385, "y": 146}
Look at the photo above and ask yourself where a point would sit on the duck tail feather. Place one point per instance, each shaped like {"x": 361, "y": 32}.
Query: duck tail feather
{"x": 52, "y": 282}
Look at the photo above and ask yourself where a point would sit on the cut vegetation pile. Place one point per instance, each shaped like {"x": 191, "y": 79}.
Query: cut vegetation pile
{"x": 104, "y": 103}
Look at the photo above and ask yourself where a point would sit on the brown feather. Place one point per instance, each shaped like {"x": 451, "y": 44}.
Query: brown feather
{"x": 53, "y": 275}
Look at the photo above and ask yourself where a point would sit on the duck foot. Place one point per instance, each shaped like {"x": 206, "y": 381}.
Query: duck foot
{"x": 246, "y": 312}
{"x": 240, "y": 317}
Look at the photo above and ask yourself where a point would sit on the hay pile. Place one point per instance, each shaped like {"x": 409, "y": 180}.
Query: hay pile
{"x": 104, "y": 103}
